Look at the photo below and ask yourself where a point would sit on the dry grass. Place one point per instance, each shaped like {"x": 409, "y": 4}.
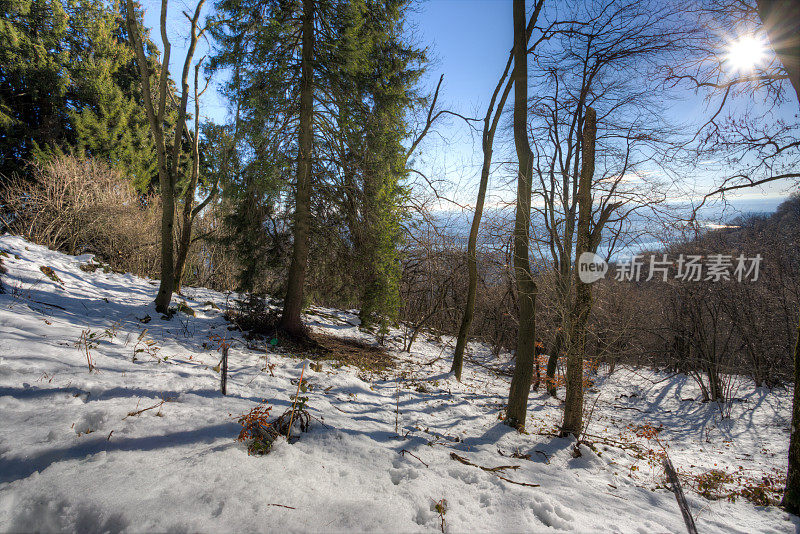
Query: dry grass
{"x": 82, "y": 206}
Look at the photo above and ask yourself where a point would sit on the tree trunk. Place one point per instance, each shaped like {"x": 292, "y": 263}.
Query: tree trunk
{"x": 526, "y": 287}
{"x": 552, "y": 362}
{"x": 573, "y": 407}
{"x": 293, "y": 303}
{"x": 188, "y": 217}
{"x": 167, "y": 285}
{"x": 472, "y": 245}
{"x": 155, "y": 118}
{"x": 167, "y": 175}
{"x": 472, "y": 263}
{"x": 189, "y": 212}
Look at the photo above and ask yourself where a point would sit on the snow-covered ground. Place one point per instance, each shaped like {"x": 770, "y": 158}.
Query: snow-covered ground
{"x": 72, "y": 458}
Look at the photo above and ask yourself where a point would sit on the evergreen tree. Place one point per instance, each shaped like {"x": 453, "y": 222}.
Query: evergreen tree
{"x": 360, "y": 78}
{"x": 389, "y": 72}
{"x": 33, "y": 80}
{"x": 67, "y": 84}
{"x": 106, "y": 116}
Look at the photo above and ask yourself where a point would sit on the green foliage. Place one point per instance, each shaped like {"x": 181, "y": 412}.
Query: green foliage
{"x": 33, "y": 82}
{"x": 382, "y": 70}
{"x": 369, "y": 73}
{"x": 68, "y": 85}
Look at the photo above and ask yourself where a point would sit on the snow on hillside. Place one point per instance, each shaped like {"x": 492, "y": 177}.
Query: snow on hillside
{"x": 72, "y": 458}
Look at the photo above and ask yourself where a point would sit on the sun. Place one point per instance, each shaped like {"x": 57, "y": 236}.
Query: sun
{"x": 745, "y": 53}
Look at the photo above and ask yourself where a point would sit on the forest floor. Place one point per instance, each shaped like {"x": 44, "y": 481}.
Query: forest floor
{"x": 150, "y": 444}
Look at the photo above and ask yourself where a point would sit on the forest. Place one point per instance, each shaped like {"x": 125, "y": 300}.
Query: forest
{"x": 400, "y": 265}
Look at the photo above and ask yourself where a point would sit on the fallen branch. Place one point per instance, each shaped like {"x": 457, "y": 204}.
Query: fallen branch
{"x": 464, "y": 461}
{"x": 518, "y": 483}
{"x": 493, "y": 470}
{"x": 672, "y": 476}
{"x": 283, "y": 506}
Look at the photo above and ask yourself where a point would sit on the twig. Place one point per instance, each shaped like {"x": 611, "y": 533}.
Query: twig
{"x": 402, "y": 453}
{"x": 137, "y": 412}
{"x": 283, "y": 506}
{"x": 224, "y": 373}
{"x": 493, "y": 470}
{"x": 518, "y": 483}
{"x": 296, "y": 395}
{"x": 464, "y": 461}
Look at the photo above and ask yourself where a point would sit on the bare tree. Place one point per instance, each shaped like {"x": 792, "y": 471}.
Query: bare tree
{"x": 765, "y": 150}
{"x": 603, "y": 57}
{"x": 190, "y": 211}
{"x": 167, "y": 169}
{"x": 490, "y": 122}
{"x": 576, "y": 341}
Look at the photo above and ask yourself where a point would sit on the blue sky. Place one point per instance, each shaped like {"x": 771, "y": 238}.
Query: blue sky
{"x": 469, "y": 42}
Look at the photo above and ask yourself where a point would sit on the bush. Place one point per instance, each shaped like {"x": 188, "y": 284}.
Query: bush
{"x": 83, "y": 206}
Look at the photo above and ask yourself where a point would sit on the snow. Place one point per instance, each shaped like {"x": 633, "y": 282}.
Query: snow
{"x": 73, "y": 459}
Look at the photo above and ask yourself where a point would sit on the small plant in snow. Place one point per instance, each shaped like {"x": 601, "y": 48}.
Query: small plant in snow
{"x": 256, "y": 430}
{"x": 51, "y": 274}
{"x": 88, "y": 342}
{"x": 710, "y": 484}
{"x": 440, "y": 507}
{"x": 145, "y": 345}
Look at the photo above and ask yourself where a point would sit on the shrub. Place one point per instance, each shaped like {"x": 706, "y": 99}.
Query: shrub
{"x": 82, "y": 206}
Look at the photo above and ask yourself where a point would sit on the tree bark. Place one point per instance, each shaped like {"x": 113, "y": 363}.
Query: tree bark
{"x": 188, "y": 195}
{"x": 791, "y": 495}
{"x": 291, "y": 322}
{"x": 552, "y": 362}
{"x": 155, "y": 118}
{"x": 526, "y": 287}
{"x": 573, "y": 407}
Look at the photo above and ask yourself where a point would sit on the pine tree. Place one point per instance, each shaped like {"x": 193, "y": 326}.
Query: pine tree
{"x": 106, "y": 115}
{"x": 379, "y": 75}
{"x": 33, "y": 81}
{"x": 67, "y": 85}
{"x": 336, "y": 74}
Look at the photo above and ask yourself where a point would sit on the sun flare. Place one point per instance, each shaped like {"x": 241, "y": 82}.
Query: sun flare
{"x": 745, "y": 53}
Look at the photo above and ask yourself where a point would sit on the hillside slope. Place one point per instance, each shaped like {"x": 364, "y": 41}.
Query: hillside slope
{"x": 378, "y": 454}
